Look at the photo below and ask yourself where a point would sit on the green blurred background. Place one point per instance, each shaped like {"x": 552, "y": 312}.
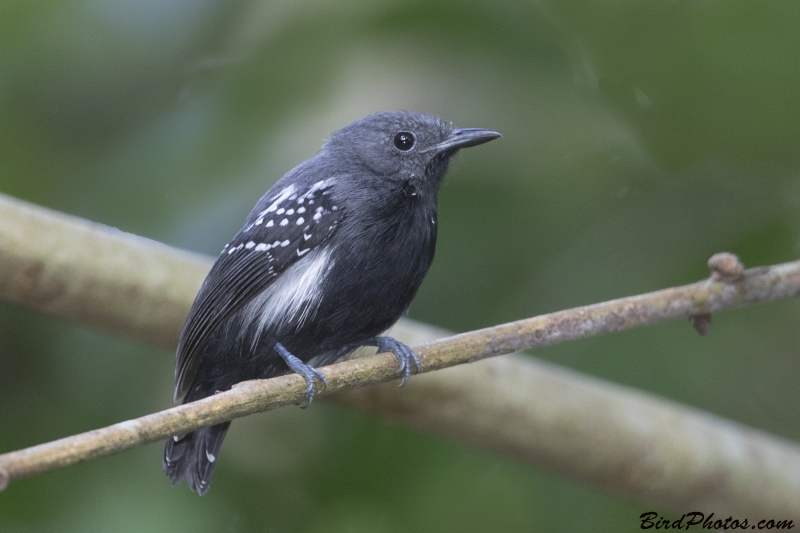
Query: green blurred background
{"x": 639, "y": 139}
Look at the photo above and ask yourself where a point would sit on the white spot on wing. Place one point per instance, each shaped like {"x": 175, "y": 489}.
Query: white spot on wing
{"x": 270, "y": 224}
{"x": 283, "y": 195}
{"x": 262, "y": 247}
{"x": 210, "y": 457}
{"x": 284, "y": 221}
{"x": 301, "y": 253}
{"x": 320, "y": 185}
{"x": 300, "y": 221}
{"x": 250, "y": 245}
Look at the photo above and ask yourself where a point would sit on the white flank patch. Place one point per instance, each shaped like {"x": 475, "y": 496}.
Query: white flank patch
{"x": 293, "y": 298}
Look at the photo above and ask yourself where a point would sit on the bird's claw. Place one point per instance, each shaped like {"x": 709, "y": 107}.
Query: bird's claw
{"x": 409, "y": 362}
{"x": 309, "y": 373}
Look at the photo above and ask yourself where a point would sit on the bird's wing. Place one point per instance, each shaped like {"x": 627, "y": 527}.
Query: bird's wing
{"x": 283, "y": 227}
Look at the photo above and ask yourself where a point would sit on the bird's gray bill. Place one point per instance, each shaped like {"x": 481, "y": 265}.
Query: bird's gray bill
{"x": 464, "y": 138}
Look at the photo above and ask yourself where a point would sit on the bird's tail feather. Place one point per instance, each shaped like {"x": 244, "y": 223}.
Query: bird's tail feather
{"x": 194, "y": 455}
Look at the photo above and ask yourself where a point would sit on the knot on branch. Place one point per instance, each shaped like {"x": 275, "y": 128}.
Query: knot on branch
{"x": 725, "y": 267}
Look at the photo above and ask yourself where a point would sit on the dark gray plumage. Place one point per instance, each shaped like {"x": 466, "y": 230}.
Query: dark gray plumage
{"x": 330, "y": 257}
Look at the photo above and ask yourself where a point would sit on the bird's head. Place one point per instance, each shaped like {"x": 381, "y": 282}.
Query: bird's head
{"x": 403, "y": 145}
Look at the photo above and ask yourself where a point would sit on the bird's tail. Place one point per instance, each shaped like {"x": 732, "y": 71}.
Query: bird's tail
{"x": 193, "y": 456}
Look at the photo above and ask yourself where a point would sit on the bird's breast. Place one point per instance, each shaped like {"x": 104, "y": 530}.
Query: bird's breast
{"x": 382, "y": 260}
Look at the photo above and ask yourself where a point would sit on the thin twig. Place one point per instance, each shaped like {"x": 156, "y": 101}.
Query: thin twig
{"x": 758, "y": 285}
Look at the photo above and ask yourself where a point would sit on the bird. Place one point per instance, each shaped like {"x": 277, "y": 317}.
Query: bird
{"x": 328, "y": 259}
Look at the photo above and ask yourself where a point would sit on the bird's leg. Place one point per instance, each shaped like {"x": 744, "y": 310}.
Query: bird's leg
{"x": 404, "y": 354}
{"x": 308, "y": 372}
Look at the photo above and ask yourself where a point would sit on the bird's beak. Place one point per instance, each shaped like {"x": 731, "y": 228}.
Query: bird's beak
{"x": 464, "y": 138}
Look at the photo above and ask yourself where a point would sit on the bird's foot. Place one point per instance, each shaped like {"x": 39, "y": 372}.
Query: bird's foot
{"x": 409, "y": 362}
{"x": 309, "y": 373}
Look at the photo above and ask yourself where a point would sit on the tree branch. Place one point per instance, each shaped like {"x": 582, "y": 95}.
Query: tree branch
{"x": 614, "y": 437}
{"x": 94, "y": 275}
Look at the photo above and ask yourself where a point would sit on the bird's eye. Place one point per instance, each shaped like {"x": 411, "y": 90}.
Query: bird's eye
{"x": 404, "y": 141}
